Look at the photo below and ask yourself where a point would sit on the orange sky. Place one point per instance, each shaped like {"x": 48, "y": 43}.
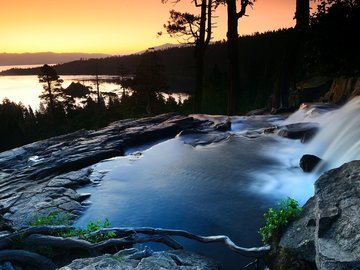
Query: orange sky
{"x": 113, "y": 26}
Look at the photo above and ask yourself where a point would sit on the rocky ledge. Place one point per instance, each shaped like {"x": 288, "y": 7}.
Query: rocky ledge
{"x": 41, "y": 177}
{"x": 327, "y": 233}
{"x": 146, "y": 259}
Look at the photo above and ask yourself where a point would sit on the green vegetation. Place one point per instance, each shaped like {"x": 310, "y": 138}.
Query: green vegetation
{"x": 54, "y": 218}
{"x": 89, "y": 233}
{"x": 277, "y": 220}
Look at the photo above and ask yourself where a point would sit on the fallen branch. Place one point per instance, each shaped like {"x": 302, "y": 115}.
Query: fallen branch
{"x": 44, "y": 235}
{"x": 248, "y": 252}
{"x": 94, "y": 249}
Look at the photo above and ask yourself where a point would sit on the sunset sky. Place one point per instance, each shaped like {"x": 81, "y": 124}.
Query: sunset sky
{"x": 113, "y": 26}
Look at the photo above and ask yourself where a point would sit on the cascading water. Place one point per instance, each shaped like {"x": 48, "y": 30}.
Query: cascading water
{"x": 338, "y": 140}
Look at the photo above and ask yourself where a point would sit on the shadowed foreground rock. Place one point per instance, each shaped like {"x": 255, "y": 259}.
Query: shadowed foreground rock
{"x": 144, "y": 260}
{"x": 328, "y": 230}
{"x": 41, "y": 177}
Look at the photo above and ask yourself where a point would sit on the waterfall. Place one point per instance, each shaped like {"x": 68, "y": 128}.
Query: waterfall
{"x": 338, "y": 140}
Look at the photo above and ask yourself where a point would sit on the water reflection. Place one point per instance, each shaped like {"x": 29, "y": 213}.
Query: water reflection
{"x": 26, "y": 89}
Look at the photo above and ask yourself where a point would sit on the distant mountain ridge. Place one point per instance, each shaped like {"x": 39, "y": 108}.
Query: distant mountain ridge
{"x": 8, "y": 59}
{"x": 40, "y": 58}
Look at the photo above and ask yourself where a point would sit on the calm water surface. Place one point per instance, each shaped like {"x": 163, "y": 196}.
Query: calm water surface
{"x": 26, "y": 89}
{"x": 221, "y": 188}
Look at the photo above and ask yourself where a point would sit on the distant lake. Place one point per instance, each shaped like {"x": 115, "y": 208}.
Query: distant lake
{"x": 26, "y": 89}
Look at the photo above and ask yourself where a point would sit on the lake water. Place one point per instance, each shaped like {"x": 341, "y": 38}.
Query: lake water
{"x": 26, "y": 89}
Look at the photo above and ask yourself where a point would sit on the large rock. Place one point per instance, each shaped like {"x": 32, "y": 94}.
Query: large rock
{"x": 309, "y": 162}
{"x": 41, "y": 177}
{"x": 302, "y": 131}
{"x": 342, "y": 88}
{"x": 328, "y": 231}
{"x": 145, "y": 260}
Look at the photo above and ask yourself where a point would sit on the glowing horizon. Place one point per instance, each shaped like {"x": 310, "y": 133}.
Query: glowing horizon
{"x": 114, "y": 26}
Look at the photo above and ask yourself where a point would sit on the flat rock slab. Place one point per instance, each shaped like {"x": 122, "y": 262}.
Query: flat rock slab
{"x": 169, "y": 260}
{"x": 41, "y": 177}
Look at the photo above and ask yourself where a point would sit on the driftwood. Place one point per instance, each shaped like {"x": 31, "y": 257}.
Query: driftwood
{"x": 248, "y": 252}
{"x": 46, "y": 236}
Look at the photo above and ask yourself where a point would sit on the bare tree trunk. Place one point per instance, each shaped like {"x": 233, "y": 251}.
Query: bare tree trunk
{"x": 233, "y": 58}
{"x": 199, "y": 59}
{"x": 97, "y": 84}
{"x": 51, "y": 99}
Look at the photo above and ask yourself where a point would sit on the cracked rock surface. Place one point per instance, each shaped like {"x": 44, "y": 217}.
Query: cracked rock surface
{"x": 328, "y": 230}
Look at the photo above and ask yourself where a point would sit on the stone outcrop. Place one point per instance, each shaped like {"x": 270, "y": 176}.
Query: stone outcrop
{"x": 328, "y": 230}
{"x": 143, "y": 260}
{"x": 302, "y": 131}
{"x": 309, "y": 162}
{"x": 41, "y": 177}
{"x": 342, "y": 89}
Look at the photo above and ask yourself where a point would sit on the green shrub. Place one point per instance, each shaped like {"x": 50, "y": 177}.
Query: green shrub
{"x": 53, "y": 218}
{"x": 56, "y": 218}
{"x": 277, "y": 220}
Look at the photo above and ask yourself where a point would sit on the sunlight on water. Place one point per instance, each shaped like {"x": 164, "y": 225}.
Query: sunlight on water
{"x": 26, "y": 89}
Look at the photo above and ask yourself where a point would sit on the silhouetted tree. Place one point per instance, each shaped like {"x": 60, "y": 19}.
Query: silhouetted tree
{"x": 196, "y": 30}
{"x": 150, "y": 78}
{"x": 302, "y": 14}
{"x": 232, "y": 43}
{"x": 52, "y": 87}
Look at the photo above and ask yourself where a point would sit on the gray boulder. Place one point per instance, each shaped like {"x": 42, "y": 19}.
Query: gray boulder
{"x": 328, "y": 230}
{"x": 145, "y": 260}
{"x": 303, "y": 131}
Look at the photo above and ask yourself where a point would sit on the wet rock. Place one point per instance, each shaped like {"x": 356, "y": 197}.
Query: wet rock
{"x": 299, "y": 130}
{"x": 224, "y": 126}
{"x": 309, "y": 162}
{"x": 300, "y": 236}
{"x": 169, "y": 260}
{"x": 330, "y": 221}
{"x": 258, "y": 112}
{"x": 198, "y": 137}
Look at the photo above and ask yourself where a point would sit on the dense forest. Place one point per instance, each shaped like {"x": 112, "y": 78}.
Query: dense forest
{"x": 272, "y": 69}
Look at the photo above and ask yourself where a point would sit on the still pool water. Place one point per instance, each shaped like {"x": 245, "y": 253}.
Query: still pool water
{"x": 222, "y": 188}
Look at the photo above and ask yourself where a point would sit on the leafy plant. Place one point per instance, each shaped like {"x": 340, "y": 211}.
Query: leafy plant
{"x": 276, "y": 220}
{"x": 88, "y": 234}
{"x": 53, "y": 218}
{"x": 94, "y": 226}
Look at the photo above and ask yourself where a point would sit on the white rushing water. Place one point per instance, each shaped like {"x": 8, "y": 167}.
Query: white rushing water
{"x": 338, "y": 140}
